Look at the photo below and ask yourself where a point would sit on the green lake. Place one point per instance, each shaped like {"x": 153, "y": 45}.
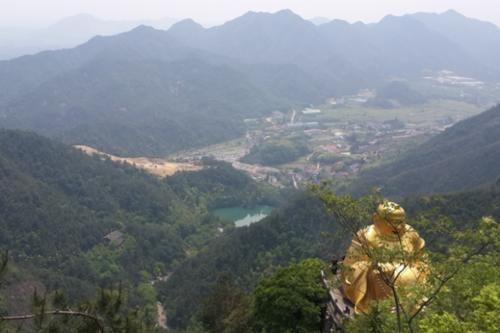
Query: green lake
{"x": 243, "y": 216}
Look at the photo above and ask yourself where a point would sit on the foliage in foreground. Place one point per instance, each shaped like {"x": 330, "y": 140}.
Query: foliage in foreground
{"x": 291, "y": 299}
{"x": 461, "y": 295}
{"x": 462, "y": 283}
{"x": 109, "y": 312}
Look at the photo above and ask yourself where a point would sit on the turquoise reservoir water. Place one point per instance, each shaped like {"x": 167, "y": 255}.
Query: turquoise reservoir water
{"x": 243, "y": 216}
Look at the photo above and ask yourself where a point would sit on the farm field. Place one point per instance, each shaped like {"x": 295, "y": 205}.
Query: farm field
{"x": 429, "y": 113}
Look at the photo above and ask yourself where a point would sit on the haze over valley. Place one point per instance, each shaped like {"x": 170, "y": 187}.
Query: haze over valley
{"x": 172, "y": 176}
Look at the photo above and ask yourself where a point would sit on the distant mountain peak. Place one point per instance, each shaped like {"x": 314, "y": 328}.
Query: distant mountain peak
{"x": 393, "y": 18}
{"x": 289, "y": 14}
{"x": 187, "y": 24}
{"x": 284, "y": 17}
{"x": 452, "y": 12}
{"x": 143, "y": 29}
{"x": 338, "y": 22}
{"x": 285, "y": 12}
{"x": 78, "y": 19}
{"x": 139, "y": 33}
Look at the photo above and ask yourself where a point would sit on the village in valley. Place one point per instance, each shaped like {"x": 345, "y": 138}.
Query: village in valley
{"x": 343, "y": 136}
{"x": 347, "y": 134}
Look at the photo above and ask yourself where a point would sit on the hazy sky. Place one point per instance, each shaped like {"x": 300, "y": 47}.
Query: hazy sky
{"x": 23, "y": 12}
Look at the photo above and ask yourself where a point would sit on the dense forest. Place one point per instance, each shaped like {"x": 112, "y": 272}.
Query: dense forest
{"x": 276, "y": 151}
{"x": 292, "y": 233}
{"x": 75, "y": 222}
{"x": 220, "y": 185}
{"x": 299, "y": 230}
{"x": 58, "y": 205}
{"x": 137, "y": 107}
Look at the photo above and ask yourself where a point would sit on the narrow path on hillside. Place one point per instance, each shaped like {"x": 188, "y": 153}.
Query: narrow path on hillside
{"x": 161, "y": 313}
{"x": 161, "y": 316}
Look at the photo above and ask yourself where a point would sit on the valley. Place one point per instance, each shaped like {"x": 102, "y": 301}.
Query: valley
{"x": 342, "y": 139}
{"x": 185, "y": 178}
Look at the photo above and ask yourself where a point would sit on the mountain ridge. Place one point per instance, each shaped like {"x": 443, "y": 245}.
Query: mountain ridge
{"x": 68, "y": 32}
{"x": 276, "y": 60}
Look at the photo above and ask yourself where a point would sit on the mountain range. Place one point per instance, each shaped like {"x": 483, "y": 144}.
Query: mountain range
{"x": 154, "y": 92}
{"x": 397, "y": 46}
{"x": 479, "y": 39}
{"x": 66, "y": 33}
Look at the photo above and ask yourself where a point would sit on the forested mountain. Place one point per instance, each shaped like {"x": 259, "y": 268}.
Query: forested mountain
{"x": 144, "y": 93}
{"x": 154, "y": 92}
{"x": 148, "y": 108}
{"x": 292, "y": 233}
{"x": 300, "y": 229}
{"x": 478, "y": 38}
{"x": 345, "y": 55}
{"x": 396, "y": 46}
{"x": 58, "y": 204}
{"x": 280, "y": 38}
{"x": 466, "y": 155}
{"x": 68, "y": 32}
{"x": 24, "y": 74}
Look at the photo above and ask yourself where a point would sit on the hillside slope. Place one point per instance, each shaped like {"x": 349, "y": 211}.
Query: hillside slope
{"x": 143, "y": 93}
{"x": 294, "y": 232}
{"x": 141, "y": 107}
{"x": 67, "y": 32}
{"x": 57, "y": 204}
{"x": 465, "y": 156}
{"x": 341, "y": 55}
{"x": 478, "y": 38}
{"x": 298, "y": 230}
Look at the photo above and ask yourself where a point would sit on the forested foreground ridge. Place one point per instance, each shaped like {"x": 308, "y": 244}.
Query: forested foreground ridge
{"x": 300, "y": 230}
{"x": 93, "y": 245}
{"x": 464, "y": 156}
{"x": 76, "y": 223}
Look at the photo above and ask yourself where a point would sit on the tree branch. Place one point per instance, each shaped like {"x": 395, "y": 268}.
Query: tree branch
{"x": 444, "y": 280}
{"x": 85, "y": 315}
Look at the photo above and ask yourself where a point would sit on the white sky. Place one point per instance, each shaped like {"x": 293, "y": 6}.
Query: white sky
{"x": 33, "y": 12}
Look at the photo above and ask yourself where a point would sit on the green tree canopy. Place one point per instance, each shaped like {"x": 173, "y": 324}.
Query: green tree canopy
{"x": 290, "y": 300}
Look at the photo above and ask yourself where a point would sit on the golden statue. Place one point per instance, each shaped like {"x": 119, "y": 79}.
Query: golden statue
{"x": 388, "y": 252}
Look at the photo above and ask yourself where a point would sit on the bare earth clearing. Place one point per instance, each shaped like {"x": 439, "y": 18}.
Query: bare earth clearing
{"x": 156, "y": 166}
{"x": 161, "y": 316}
